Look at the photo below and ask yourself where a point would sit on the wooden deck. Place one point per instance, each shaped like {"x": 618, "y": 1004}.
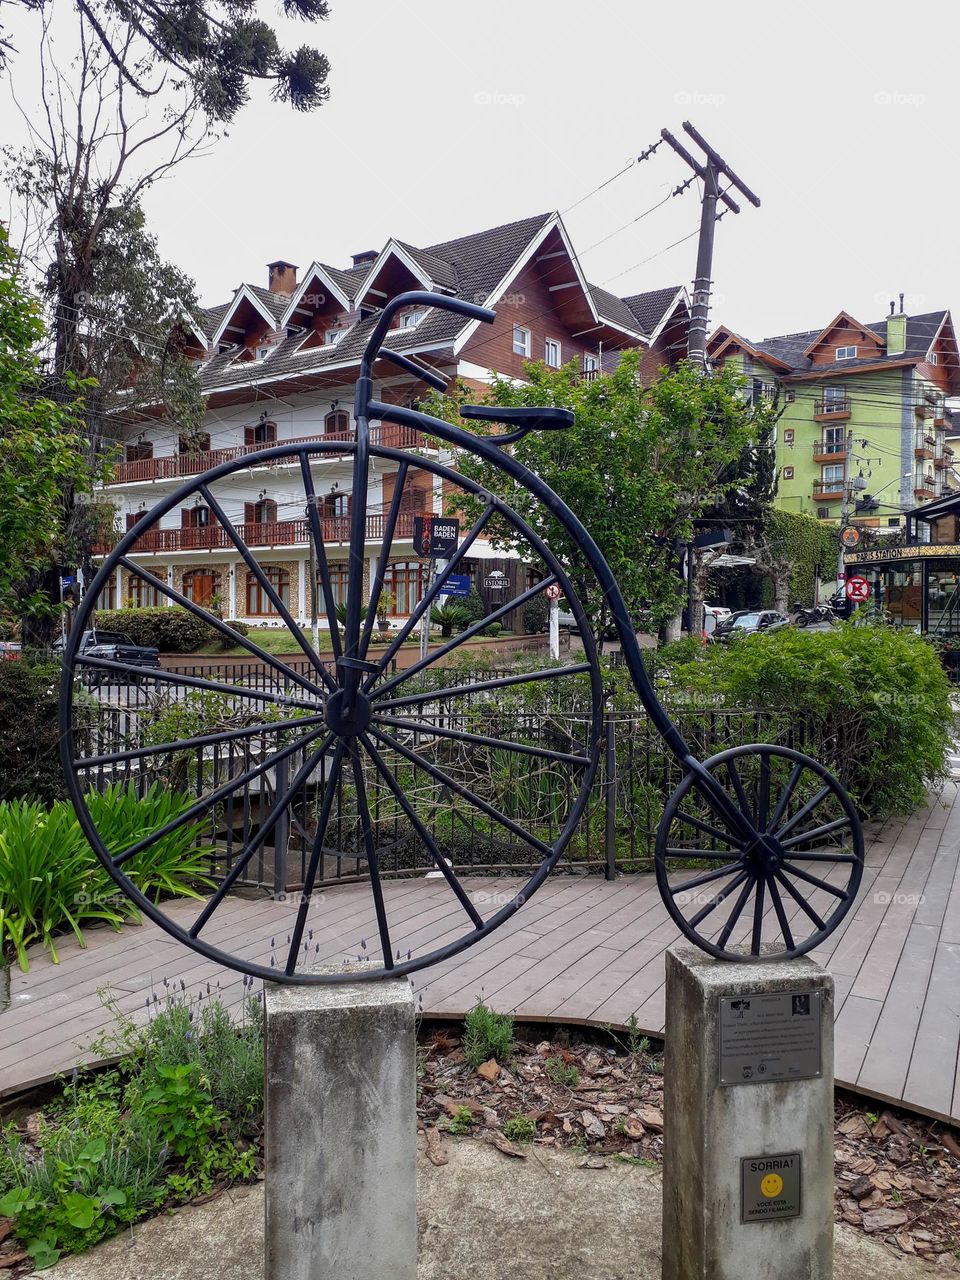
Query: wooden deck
{"x": 581, "y": 951}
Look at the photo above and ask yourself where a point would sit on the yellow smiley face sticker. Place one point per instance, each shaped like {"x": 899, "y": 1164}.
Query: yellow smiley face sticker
{"x": 771, "y": 1185}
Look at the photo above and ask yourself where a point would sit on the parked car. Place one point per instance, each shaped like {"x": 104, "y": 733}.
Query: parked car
{"x": 746, "y": 622}
{"x": 114, "y": 646}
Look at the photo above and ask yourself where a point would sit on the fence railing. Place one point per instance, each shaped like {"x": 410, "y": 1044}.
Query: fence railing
{"x": 616, "y": 832}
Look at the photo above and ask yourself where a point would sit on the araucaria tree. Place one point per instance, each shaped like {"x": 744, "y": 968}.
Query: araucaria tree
{"x": 637, "y": 467}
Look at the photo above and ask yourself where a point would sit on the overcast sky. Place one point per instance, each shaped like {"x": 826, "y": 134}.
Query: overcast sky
{"x": 447, "y": 117}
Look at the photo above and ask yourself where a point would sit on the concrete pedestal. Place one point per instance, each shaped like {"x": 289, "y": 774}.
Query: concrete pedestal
{"x": 340, "y": 1132}
{"x": 711, "y": 1128}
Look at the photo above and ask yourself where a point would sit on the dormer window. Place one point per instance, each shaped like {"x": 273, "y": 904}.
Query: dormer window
{"x": 846, "y": 353}
{"x": 263, "y": 352}
{"x": 333, "y": 336}
{"x": 223, "y": 348}
{"x": 931, "y": 357}
{"x": 410, "y": 319}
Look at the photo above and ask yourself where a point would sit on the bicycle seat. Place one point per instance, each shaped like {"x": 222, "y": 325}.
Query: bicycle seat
{"x": 540, "y": 419}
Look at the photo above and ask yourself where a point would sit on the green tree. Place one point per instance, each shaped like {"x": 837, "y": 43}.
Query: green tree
{"x": 638, "y": 465}
{"x": 41, "y": 453}
{"x": 218, "y": 47}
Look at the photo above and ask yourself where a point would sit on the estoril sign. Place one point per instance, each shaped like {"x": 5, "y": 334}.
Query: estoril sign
{"x": 886, "y": 555}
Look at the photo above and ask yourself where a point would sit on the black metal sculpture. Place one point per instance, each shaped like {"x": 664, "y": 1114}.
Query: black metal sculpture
{"x": 765, "y": 829}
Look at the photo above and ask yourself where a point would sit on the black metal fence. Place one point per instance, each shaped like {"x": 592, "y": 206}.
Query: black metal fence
{"x": 616, "y": 832}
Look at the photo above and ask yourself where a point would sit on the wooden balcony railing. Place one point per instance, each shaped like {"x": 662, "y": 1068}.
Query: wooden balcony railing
{"x": 175, "y": 466}
{"x": 273, "y": 533}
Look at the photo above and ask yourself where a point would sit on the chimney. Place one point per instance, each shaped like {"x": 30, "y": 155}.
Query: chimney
{"x": 282, "y": 277}
{"x": 896, "y": 331}
{"x": 364, "y": 258}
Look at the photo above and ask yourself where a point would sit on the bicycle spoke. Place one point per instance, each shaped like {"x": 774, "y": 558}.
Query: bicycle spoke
{"x": 423, "y": 833}
{"x": 695, "y": 855}
{"x": 815, "y": 880}
{"x": 266, "y": 586}
{"x": 316, "y": 853}
{"x": 193, "y": 682}
{"x": 204, "y": 740}
{"x": 228, "y": 632}
{"x": 316, "y": 530}
{"x": 384, "y": 558}
{"x": 372, "y": 861}
{"x": 706, "y": 878}
{"x": 736, "y": 782}
{"x": 431, "y": 594}
{"x": 465, "y": 792}
{"x": 736, "y": 913}
{"x": 785, "y": 795}
{"x": 763, "y": 792}
{"x": 717, "y": 899}
{"x": 204, "y": 805}
{"x": 757, "y": 935}
{"x": 430, "y": 730}
{"x": 276, "y": 810}
{"x": 800, "y": 900}
{"x": 724, "y": 837}
{"x": 781, "y": 914}
{"x": 816, "y": 832}
{"x": 481, "y": 686}
{"x": 799, "y": 816}
{"x": 468, "y": 634}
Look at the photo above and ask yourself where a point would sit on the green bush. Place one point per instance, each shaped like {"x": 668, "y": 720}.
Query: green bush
{"x": 487, "y": 1035}
{"x": 51, "y": 881}
{"x": 879, "y": 692}
{"x": 519, "y": 1128}
{"x": 536, "y": 614}
{"x": 30, "y": 741}
{"x": 171, "y": 630}
{"x": 448, "y": 616}
{"x": 237, "y": 627}
{"x": 473, "y": 604}
{"x": 163, "y": 1127}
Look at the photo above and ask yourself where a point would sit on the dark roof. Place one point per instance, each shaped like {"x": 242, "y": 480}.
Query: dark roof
{"x": 470, "y": 266}
{"x": 790, "y": 347}
{"x": 650, "y": 308}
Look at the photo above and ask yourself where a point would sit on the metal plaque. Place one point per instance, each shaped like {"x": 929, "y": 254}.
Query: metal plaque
{"x": 766, "y": 1038}
{"x": 770, "y": 1187}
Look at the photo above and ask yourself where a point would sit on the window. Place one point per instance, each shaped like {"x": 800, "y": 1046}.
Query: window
{"x": 194, "y": 444}
{"x": 833, "y": 474}
{"x": 788, "y": 473}
{"x": 834, "y": 398}
{"x": 590, "y": 363}
{"x": 201, "y": 586}
{"x": 262, "y": 512}
{"x": 333, "y": 336}
{"x": 142, "y": 594}
{"x": 410, "y": 319}
{"x": 263, "y": 433}
{"x": 140, "y": 452}
{"x": 337, "y": 423}
{"x": 407, "y": 583}
{"x": 259, "y": 604}
{"x": 521, "y": 341}
{"x": 931, "y": 357}
{"x": 551, "y": 353}
{"x": 846, "y": 353}
{"x": 194, "y": 517}
{"x": 788, "y": 435}
{"x": 263, "y": 352}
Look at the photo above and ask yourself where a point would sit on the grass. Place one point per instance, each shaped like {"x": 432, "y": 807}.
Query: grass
{"x": 487, "y": 1035}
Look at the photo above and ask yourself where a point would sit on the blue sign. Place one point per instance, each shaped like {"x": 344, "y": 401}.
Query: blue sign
{"x": 68, "y": 582}
{"x": 458, "y": 584}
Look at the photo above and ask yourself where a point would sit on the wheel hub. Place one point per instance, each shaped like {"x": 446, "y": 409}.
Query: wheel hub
{"x": 343, "y": 724}
{"x": 765, "y": 854}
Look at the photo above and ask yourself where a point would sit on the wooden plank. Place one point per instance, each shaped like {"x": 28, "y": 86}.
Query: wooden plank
{"x": 887, "y": 1060}
{"x": 933, "y": 1066}
{"x": 854, "y": 1031}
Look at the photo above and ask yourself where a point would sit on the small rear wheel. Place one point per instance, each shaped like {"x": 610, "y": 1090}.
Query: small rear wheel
{"x": 771, "y": 887}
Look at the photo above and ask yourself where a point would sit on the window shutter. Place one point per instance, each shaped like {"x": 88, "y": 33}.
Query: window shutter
{"x": 185, "y": 518}
{"x": 249, "y": 435}
{"x": 249, "y": 509}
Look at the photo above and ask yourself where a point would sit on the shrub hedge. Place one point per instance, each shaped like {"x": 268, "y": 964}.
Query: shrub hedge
{"x": 29, "y": 743}
{"x": 171, "y": 630}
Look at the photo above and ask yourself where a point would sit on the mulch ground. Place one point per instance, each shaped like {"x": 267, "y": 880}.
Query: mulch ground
{"x": 897, "y": 1175}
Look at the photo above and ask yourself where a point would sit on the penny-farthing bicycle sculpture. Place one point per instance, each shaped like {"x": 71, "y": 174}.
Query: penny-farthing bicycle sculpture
{"x": 759, "y": 851}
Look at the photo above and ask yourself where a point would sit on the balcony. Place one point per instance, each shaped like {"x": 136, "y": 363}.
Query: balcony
{"x": 944, "y": 460}
{"x": 832, "y": 409}
{"x": 268, "y": 534}
{"x": 923, "y": 446}
{"x": 828, "y": 450}
{"x": 828, "y": 490}
{"x": 177, "y": 466}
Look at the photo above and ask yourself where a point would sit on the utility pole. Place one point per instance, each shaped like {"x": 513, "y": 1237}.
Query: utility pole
{"x": 709, "y": 173}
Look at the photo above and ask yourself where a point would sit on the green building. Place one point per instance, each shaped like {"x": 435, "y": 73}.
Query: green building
{"x": 864, "y": 428}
